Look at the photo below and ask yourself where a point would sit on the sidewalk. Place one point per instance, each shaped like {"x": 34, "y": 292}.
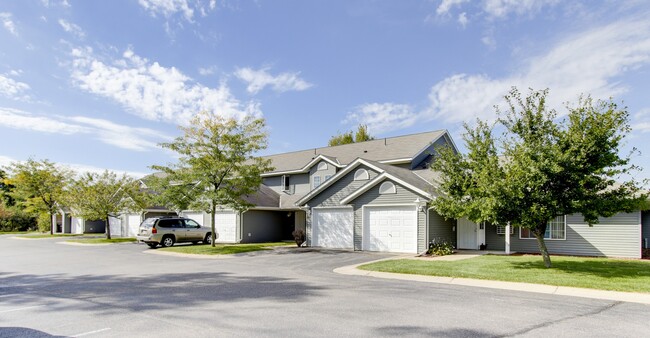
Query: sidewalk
{"x": 632, "y": 297}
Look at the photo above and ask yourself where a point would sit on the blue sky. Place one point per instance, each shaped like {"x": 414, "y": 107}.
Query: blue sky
{"x": 98, "y": 84}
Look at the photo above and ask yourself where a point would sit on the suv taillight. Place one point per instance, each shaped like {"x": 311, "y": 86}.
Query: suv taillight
{"x": 154, "y": 230}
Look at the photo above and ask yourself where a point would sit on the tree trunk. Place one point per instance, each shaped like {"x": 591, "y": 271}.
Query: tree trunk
{"x": 51, "y": 223}
{"x": 108, "y": 228}
{"x": 214, "y": 219}
{"x": 539, "y": 231}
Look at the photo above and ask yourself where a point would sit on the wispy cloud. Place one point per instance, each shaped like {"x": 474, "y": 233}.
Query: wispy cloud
{"x": 382, "y": 117}
{"x": 497, "y": 9}
{"x": 205, "y": 71}
{"x": 72, "y": 28}
{"x": 154, "y": 92}
{"x": 259, "y": 79}
{"x": 13, "y": 89}
{"x": 125, "y": 137}
{"x": 8, "y": 23}
{"x": 586, "y": 63}
{"x": 185, "y": 8}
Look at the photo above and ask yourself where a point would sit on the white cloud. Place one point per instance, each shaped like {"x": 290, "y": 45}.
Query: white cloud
{"x": 503, "y": 8}
{"x": 8, "y": 23}
{"x": 382, "y": 117}
{"x": 283, "y": 82}
{"x": 462, "y": 19}
{"x": 168, "y": 7}
{"x": 205, "y": 71}
{"x": 125, "y": 137}
{"x": 13, "y": 89}
{"x": 586, "y": 63}
{"x": 446, "y": 6}
{"x": 152, "y": 91}
{"x": 72, "y": 28}
{"x": 79, "y": 168}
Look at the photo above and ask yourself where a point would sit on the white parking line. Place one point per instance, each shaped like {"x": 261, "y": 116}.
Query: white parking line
{"x": 20, "y": 308}
{"x": 91, "y": 332}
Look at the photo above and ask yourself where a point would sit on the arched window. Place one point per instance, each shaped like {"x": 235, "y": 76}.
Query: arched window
{"x": 361, "y": 175}
{"x": 322, "y": 166}
{"x": 387, "y": 188}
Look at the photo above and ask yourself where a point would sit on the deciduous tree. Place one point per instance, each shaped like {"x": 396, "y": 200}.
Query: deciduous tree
{"x": 217, "y": 166}
{"x": 541, "y": 167}
{"x": 350, "y": 137}
{"x": 101, "y": 196}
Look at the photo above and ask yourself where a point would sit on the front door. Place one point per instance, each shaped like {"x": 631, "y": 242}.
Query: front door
{"x": 467, "y": 234}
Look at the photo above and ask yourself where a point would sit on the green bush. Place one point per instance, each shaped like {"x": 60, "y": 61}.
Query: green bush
{"x": 43, "y": 222}
{"x": 16, "y": 220}
{"x": 440, "y": 247}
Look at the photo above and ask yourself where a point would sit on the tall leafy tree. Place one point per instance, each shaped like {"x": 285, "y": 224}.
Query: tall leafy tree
{"x": 5, "y": 189}
{"x": 217, "y": 165}
{"x": 38, "y": 186}
{"x": 100, "y": 196}
{"x": 361, "y": 135}
{"x": 541, "y": 167}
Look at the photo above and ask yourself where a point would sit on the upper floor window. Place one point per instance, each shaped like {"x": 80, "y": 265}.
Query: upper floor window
{"x": 361, "y": 174}
{"x": 322, "y": 166}
{"x": 285, "y": 183}
{"x": 316, "y": 181}
{"x": 555, "y": 229}
{"x": 387, "y": 188}
{"x": 327, "y": 177}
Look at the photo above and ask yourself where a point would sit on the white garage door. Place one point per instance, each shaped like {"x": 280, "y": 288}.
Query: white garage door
{"x": 332, "y": 228}
{"x": 197, "y": 216}
{"x": 133, "y": 224}
{"x": 225, "y": 226}
{"x": 77, "y": 225}
{"x": 116, "y": 226}
{"x": 391, "y": 229}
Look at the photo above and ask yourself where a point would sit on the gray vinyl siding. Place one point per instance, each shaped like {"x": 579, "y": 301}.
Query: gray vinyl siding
{"x": 441, "y": 228}
{"x": 331, "y": 170}
{"x": 426, "y": 154}
{"x": 299, "y": 183}
{"x": 372, "y": 197}
{"x": 341, "y": 189}
{"x": 645, "y": 233}
{"x": 616, "y": 236}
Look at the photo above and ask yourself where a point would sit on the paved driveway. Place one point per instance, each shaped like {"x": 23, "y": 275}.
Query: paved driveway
{"x": 49, "y": 289}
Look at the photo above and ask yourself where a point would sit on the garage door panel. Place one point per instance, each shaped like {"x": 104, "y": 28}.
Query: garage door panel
{"x": 332, "y": 228}
{"x": 226, "y": 226}
{"x": 132, "y": 225}
{"x": 390, "y": 229}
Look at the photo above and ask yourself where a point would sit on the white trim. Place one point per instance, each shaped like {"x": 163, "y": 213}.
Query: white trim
{"x": 322, "y": 165}
{"x": 378, "y": 179}
{"x": 304, "y": 169}
{"x": 335, "y": 178}
{"x": 548, "y": 239}
{"x": 363, "y": 173}
{"x": 397, "y": 160}
{"x": 363, "y": 221}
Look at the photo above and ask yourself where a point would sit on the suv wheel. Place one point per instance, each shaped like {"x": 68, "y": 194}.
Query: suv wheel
{"x": 167, "y": 241}
{"x": 208, "y": 238}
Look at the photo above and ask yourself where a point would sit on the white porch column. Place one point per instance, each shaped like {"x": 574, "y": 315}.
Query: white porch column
{"x": 508, "y": 238}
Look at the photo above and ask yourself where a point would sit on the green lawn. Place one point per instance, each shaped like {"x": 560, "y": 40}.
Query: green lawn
{"x": 583, "y": 272}
{"x": 222, "y": 249}
{"x": 18, "y": 232}
{"x": 103, "y": 240}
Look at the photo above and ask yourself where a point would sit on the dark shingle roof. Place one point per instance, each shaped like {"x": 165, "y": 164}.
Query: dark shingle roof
{"x": 384, "y": 149}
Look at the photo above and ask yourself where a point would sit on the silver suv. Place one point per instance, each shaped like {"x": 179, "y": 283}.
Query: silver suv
{"x": 169, "y": 230}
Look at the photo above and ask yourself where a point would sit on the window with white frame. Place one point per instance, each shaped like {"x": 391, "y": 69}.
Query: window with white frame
{"x": 327, "y": 177}
{"x": 322, "y": 166}
{"x": 555, "y": 229}
{"x": 361, "y": 175}
{"x": 316, "y": 181}
{"x": 387, "y": 188}
{"x": 285, "y": 183}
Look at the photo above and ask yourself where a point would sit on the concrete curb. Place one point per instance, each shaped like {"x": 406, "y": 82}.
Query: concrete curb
{"x": 194, "y": 256}
{"x": 631, "y": 297}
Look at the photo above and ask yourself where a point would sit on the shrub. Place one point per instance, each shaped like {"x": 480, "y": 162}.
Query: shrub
{"x": 15, "y": 220}
{"x": 440, "y": 247}
{"x": 43, "y": 222}
{"x": 299, "y": 236}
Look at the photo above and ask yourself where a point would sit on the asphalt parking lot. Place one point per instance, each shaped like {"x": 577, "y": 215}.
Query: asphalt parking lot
{"x": 48, "y": 289}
